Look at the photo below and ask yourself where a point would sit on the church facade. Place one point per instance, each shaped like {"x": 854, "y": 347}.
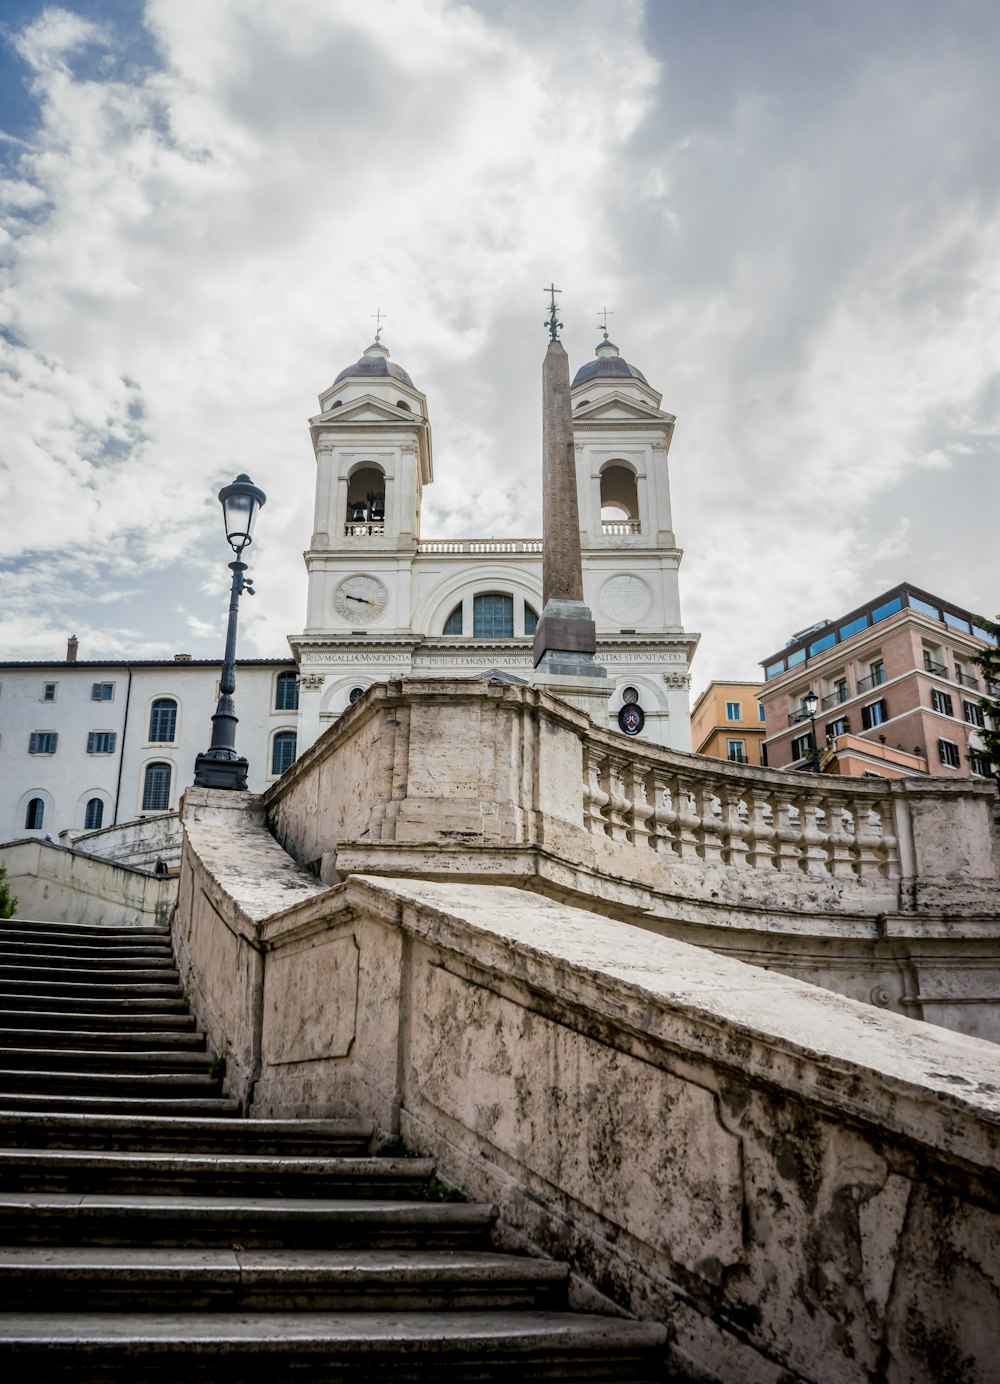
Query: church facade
{"x": 385, "y": 602}
{"x": 85, "y": 745}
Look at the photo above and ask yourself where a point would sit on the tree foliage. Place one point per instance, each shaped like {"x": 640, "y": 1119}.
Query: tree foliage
{"x": 8, "y": 903}
{"x": 988, "y": 663}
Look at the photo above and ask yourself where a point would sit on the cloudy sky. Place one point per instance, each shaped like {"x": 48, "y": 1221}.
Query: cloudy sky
{"x": 792, "y": 208}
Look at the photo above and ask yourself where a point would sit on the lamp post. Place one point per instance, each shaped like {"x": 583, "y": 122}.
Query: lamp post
{"x": 220, "y": 766}
{"x": 809, "y": 704}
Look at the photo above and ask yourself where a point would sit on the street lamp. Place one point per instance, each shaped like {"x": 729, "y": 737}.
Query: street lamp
{"x": 220, "y": 766}
{"x": 809, "y": 704}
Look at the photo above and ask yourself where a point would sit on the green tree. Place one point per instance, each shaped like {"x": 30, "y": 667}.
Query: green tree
{"x": 988, "y": 663}
{"x": 8, "y": 903}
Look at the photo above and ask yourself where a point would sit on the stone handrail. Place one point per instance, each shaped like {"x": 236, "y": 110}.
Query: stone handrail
{"x": 480, "y": 545}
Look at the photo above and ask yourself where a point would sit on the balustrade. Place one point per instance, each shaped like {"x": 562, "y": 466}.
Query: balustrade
{"x": 750, "y": 820}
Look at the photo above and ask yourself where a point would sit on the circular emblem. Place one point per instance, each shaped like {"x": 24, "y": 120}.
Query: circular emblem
{"x": 625, "y": 598}
{"x": 631, "y": 718}
{"x": 360, "y": 599}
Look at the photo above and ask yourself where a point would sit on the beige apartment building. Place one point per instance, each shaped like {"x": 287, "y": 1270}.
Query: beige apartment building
{"x": 727, "y": 722}
{"x": 897, "y": 691}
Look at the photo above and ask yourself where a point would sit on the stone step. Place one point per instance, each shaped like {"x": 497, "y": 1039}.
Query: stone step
{"x": 101, "y": 1278}
{"x": 46, "y": 1103}
{"x": 155, "y": 1133}
{"x": 335, "y": 1346}
{"x": 35, "y": 927}
{"x": 13, "y": 1005}
{"x": 32, "y": 993}
{"x": 72, "y": 1218}
{"x": 215, "y": 1174}
{"x": 110, "y": 1038}
{"x": 23, "y": 954}
{"x": 107, "y": 1083}
{"x": 56, "y": 979}
{"x": 97, "y": 1061}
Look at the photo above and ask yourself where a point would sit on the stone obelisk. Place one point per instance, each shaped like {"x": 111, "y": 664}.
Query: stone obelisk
{"x": 565, "y": 639}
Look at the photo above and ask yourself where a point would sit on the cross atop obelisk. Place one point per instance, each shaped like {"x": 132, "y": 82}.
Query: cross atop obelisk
{"x": 566, "y": 638}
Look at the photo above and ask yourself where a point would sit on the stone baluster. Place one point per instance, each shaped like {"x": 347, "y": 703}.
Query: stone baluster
{"x": 761, "y": 835}
{"x": 709, "y": 822}
{"x": 887, "y": 850}
{"x": 814, "y": 827}
{"x": 688, "y": 819}
{"x": 868, "y": 839}
{"x": 666, "y": 815}
{"x": 839, "y": 838}
{"x": 636, "y": 784}
{"x": 596, "y": 798}
{"x": 787, "y": 833}
{"x": 735, "y": 828}
{"x": 619, "y": 808}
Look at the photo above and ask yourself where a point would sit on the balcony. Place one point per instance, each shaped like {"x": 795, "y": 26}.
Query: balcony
{"x": 835, "y": 698}
{"x": 795, "y": 717}
{"x": 938, "y": 669}
{"x": 966, "y": 680}
{"x": 876, "y": 680}
{"x": 612, "y": 527}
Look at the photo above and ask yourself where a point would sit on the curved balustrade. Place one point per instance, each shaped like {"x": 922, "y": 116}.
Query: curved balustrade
{"x": 744, "y": 819}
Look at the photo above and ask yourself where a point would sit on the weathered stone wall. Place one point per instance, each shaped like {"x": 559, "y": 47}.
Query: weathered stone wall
{"x": 802, "y": 1187}
{"x": 56, "y": 884}
{"x": 138, "y": 843}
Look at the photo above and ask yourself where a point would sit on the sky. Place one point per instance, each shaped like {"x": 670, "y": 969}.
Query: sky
{"x": 791, "y": 209}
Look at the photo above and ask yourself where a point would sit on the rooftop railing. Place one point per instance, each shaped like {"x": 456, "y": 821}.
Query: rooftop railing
{"x": 480, "y": 545}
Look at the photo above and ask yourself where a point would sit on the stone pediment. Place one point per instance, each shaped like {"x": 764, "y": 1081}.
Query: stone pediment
{"x": 619, "y": 407}
{"x": 368, "y": 410}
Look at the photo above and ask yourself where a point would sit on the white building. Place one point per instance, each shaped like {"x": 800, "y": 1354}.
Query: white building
{"x": 93, "y": 744}
{"x": 384, "y": 602}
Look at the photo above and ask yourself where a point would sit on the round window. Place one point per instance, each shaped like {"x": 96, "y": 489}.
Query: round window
{"x": 630, "y": 695}
{"x": 354, "y": 694}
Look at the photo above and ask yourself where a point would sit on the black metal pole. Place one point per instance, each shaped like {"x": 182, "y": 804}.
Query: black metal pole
{"x": 220, "y": 766}
{"x": 816, "y": 768}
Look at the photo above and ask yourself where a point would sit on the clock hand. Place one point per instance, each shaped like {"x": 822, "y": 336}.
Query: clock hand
{"x": 361, "y": 600}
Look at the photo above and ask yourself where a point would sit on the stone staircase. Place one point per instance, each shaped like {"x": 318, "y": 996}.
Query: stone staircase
{"x": 147, "y": 1232}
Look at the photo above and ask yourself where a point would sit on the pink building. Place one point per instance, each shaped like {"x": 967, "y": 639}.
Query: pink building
{"x": 896, "y": 672}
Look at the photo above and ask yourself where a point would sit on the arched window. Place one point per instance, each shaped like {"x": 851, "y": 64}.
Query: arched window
{"x": 283, "y": 751}
{"x": 156, "y": 788}
{"x": 35, "y": 815}
{"x": 619, "y": 500}
{"x": 163, "y": 721}
{"x": 530, "y": 619}
{"x": 453, "y": 624}
{"x": 366, "y": 501}
{"x": 94, "y": 816}
{"x": 493, "y": 616}
{"x": 286, "y": 692}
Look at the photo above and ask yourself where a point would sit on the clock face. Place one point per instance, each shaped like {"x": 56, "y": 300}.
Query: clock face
{"x": 360, "y": 600}
{"x": 625, "y": 599}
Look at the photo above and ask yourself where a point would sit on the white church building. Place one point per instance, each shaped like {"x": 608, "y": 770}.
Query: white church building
{"x": 88, "y": 745}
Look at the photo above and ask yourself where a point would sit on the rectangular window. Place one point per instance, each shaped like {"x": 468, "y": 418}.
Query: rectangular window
{"x": 102, "y": 692}
{"x": 802, "y": 746}
{"x": 950, "y": 756}
{"x": 825, "y": 641}
{"x": 957, "y": 623}
{"x": 774, "y": 670}
{"x": 974, "y": 713}
{"x": 738, "y": 751}
{"x": 796, "y": 658}
{"x": 984, "y": 635}
{"x": 855, "y": 627}
{"x": 49, "y": 691}
{"x": 43, "y": 742}
{"x": 924, "y": 607}
{"x": 101, "y": 742}
{"x": 734, "y": 711}
{"x": 883, "y": 612}
{"x": 763, "y": 713}
{"x": 838, "y": 727}
{"x": 980, "y": 765}
{"x": 874, "y": 714}
{"x": 941, "y": 701}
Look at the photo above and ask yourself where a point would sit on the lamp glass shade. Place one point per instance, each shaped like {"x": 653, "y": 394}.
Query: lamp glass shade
{"x": 241, "y": 502}
{"x": 809, "y": 703}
